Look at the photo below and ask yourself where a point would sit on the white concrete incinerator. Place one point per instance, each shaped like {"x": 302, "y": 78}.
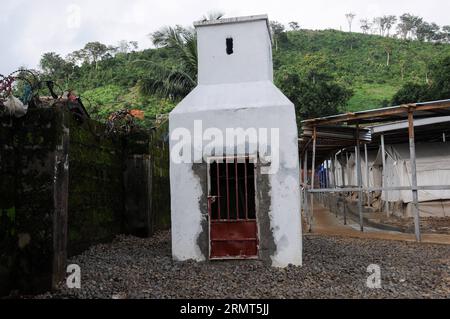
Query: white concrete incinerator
{"x": 234, "y": 172}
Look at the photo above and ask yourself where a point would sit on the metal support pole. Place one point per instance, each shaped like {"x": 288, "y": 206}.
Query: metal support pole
{"x": 320, "y": 185}
{"x": 343, "y": 159}
{"x": 367, "y": 174}
{"x": 412, "y": 153}
{"x": 327, "y": 196}
{"x": 312, "y": 179}
{"x": 383, "y": 158}
{"x": 347, "y": 171}
{"x": 333, "y": 170}
{"x": 359, "y": 178}
{"x": 356, "y": 168}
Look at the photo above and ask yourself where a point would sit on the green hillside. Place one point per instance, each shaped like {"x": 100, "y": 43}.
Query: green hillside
{"x": 372, "y": 68}
{"x": 360, "y": 61}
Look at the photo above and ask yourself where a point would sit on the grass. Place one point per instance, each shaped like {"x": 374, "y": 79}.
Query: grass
{"x": 371, "y": 96}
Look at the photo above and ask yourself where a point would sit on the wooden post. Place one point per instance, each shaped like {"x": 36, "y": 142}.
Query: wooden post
{"x": 415, "y": 195}
{"x": 356, "y": 167}
{"x": 60, "y": 202}
{"x": 305, "y": 183}
{"x": 367, "y": 175}
{"x": 301, "y": 188}
{"x": 313, "y": 168}
{"x": 383, "y": 158}
{"x": 343, "y": 185}
{"x": 359, "y": 178}
{"x": 333, "y": 170}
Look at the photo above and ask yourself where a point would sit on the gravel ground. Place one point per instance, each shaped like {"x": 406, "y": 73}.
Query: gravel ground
{"x": 333, "y": 268}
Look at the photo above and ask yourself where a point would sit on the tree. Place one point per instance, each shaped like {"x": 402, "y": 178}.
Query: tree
{"x": 52, "y": 64}
{"x": 381, "y": 23}
{"x": 438, "y": 88}
{"x": 169, "y": 36}
{"x": 446, "y": 33}
{"x": 440, "y": 81}
{"x": 278, "y": 33}
{"x": 409, "y": 93}
{"x": 365, "y": 25}
{"x": 408, "y": 25}
{"x": 427, "y": 31}
{"x": 95, "y": 51}
{"x": 416, "y": 22}
{"x": 389, "y": 22}
{"x": 55, "y": 67}
{"x": 173, "y": 82}
{"x": 376, "y": 22}
{"x": 434, "y": 31}
{"x": 77, "y": 57}
{"x": 176, "y": 81}
{"x": 213, "y": 15}
{"x": 387, "y": 47}
{"x": 427, "y": 60}
{"x": 350, "y": 16}
{"x": 294, "y": 26}
{"x": 313, "y": 90}
{"x": 313, "y": 67}
{"x": 402, "y": 58}
{"x": 125, "y": 46}
{"x": 92, "y": 52}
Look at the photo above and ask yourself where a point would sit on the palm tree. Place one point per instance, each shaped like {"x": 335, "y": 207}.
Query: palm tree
{"x": 176, "y": 81}
{"x": 213, "y": 15}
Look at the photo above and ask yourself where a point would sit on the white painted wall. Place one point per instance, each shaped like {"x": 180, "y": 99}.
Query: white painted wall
{"x": 252, "y": 57}
{"x": 237, "y": 100}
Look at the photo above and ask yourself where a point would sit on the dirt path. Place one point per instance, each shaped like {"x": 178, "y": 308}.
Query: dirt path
{"x": 326, "y": 223}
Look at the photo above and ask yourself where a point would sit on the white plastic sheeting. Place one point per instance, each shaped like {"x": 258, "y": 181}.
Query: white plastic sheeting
{"x": 433, "y": 168}
{"x": 350, "y": 170}
{"x": 15, "y": 107}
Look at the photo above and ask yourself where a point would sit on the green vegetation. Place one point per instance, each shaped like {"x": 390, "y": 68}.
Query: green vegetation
{"x": 371, "y": 95}
{"x": 314, "y": 92}
{"x": 323, "y": 72}
{"x": 436, "y": 88}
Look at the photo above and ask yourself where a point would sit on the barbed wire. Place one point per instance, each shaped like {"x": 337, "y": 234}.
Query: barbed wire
{"x": 120, "y": 122}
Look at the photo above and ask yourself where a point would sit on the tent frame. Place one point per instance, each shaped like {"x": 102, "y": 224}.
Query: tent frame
{"x": 328, "y": 137}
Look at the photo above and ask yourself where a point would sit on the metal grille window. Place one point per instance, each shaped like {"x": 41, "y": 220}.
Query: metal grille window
{"x": 232, "y": 190}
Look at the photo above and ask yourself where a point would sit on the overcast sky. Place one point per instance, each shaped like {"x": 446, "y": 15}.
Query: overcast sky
{"x": 31, "y": 28}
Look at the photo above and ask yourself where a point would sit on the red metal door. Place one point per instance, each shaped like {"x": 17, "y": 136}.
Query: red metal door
{"x": 232, "y": 211}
